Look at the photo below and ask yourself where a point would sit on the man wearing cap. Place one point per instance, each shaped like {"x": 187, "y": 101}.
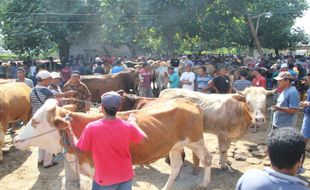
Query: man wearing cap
{"x": 108, "y": 140}
{"x": 83, "y": 95}
{"x": 287, "y": 103}
{"x": 21, "y": 77}
{"x": 187, "y": 79}
{"x": 38, "y": 96}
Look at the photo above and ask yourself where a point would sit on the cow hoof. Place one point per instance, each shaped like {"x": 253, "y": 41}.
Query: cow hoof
{"x": 226, "y": 166}
{"x": 202, "y": 186}
{"x": 195, "y": 172}
{"x": 229, "y": 163}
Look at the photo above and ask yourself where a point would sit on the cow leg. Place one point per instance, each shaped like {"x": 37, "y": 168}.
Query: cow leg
{"x": 176, "y": 164}
{"x": 3, "y": 129}
{"x": 196, "y": 164}
{"x": 205, "y": 156}
{"x": 71, "y": 175}
{"x": 224, "y": 145}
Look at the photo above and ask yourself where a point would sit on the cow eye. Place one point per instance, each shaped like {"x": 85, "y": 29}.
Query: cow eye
{"x": 34, "y": 123}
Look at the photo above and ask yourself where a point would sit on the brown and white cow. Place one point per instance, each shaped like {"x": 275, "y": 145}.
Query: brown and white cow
{"x": 14, "y": 105}
{"x": 227, "y": 115}
{"x": 100, "y": 84}
{"x": 164, "y": 135}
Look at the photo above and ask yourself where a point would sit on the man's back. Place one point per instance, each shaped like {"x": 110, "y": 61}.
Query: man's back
{"x": 109, "y": 141}
{"x": 268, "y": 179}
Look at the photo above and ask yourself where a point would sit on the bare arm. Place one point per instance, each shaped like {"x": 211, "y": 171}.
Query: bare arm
{"x": 212, "y": 86}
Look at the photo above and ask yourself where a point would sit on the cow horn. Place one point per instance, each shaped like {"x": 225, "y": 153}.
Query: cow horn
{"x": 269, "y": 92}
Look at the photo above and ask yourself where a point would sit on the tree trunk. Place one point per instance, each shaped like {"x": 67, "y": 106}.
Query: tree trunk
{"x": 254, "y": 35}
{"x": 276, "y": 51}
{"x": 169, "y": 38}
{"x": 64, "y": 52}
{"x": 133, "y": 49}
{"x": 251, "y": 49}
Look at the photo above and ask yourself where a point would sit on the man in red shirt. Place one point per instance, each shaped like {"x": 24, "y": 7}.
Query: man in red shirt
{"x": 259, "y": 80}
{"x": 108, "y": 141}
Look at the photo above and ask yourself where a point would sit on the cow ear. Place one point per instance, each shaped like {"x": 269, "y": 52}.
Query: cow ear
{"x": 239, "y": 97}
{"x": 60, "y": 123}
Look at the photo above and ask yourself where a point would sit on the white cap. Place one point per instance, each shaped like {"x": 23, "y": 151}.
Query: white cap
{"x": 284, "y": 65}
{"x": 55, "y": 75}
{"x": 43, "y": 75}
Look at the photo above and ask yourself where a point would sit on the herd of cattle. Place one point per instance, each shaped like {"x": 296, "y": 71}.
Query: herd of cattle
{"x": 175, "y": 120}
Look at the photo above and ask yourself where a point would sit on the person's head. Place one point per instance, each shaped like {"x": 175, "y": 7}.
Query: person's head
{"x": 222, "y": 72}
{"x": 257, "y": 72}
{"x": 286, "y": 149}
{"x": 291, "y": 66}
{"x": 56, "y": 78}
{"x": 21, "y": 73}
{"x": 284, "y": 67}
{"x": 44, "y": 78}
{"x": 111, "y": 103}
{"x": 188, "y": 67}
{"x": 243, "y": 74}
{"x": 284, "y": 79}
{"x": 202, "y": 71}
{"x": 0, "y": 63}
{"x": 145, "y": 65}
{"x": 170, "y": 70}
{"x": 75, "y": 78}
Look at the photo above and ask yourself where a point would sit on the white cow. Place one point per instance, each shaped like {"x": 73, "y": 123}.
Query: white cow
{"x": 227, "y": 115}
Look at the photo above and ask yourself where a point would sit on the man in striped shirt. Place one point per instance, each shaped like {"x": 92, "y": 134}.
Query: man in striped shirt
{"x": 243, "y": 83}
{"x": 38, "y": 96}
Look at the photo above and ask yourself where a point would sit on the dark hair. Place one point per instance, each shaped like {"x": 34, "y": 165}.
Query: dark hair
{"x": 110, "y": 112}
{"x": 243, "y": 73}
{"x": 286, "y": 146}
{"x": 203, "y": 68}
{"x": 291, "y": 65}
{"x": 21, "y": 69}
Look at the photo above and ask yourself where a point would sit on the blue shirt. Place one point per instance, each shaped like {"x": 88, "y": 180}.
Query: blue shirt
{"x": 293, "y": 73}
{"x": 202, "y": 82}
{"x": 288, "y": 98}
{"x": 268, "y": 179}
{"x": 307, "y": 109}
{"x": 242, "y": 84}
{"x": 117, "y": 69}
{"x": 174, "y": 80}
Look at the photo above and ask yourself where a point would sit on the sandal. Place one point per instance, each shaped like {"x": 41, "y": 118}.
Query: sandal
{"x": 53, "y": 164}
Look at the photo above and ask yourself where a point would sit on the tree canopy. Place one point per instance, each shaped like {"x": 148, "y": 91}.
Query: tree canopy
{"x": 153, "y": 26}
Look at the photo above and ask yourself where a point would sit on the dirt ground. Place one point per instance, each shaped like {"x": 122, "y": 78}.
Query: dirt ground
{"x": 19, "y": 171}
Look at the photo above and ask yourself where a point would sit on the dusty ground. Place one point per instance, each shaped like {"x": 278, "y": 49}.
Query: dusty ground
{"x": 19, "y": 170}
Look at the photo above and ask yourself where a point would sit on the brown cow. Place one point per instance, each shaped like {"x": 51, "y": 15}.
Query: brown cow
{"x": 14, "y": 105}
{"x": 164, "y": 135}
{"x": 100, "y": 84}
{"x": 227, "y": 115}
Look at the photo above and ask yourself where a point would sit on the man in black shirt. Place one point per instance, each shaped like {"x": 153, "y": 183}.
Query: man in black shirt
{"x": 221, "y": 83}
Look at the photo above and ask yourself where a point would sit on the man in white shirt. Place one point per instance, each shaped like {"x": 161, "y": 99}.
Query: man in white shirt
{"x": 187, "y": 79}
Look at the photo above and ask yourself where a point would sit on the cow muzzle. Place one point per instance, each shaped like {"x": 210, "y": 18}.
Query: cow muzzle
{"x": 260, "y": 119}
{"x": 22, "y": 145}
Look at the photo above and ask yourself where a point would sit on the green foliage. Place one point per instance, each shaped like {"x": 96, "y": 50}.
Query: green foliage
{"x": 154, "y": 26}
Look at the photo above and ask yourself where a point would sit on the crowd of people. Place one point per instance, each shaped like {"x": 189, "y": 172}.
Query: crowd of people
{"x": 289, "y": 75}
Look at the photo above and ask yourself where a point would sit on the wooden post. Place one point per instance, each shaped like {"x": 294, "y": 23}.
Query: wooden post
{"x": 254, "y": 35}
